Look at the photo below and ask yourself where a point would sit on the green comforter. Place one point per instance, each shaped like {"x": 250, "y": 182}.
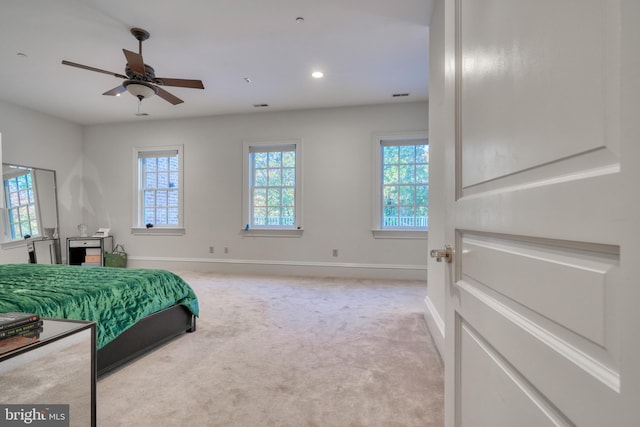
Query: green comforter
{"x": 115, "y": 298}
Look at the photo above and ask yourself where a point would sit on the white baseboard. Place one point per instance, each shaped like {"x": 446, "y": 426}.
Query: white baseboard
{"x": 281, "y": 267}
{"x": 435, "y": 325}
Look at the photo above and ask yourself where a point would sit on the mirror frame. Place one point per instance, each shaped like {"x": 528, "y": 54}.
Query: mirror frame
{"x": 6, "y": 238}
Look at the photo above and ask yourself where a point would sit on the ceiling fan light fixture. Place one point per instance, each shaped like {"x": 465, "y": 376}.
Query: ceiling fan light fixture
{"x": 139, "y": 89}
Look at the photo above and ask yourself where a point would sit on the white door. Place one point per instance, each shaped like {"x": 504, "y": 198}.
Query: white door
{"x": 543, "y": 298}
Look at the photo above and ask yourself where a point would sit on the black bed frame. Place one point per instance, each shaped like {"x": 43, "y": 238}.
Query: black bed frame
{"x": 148, "y": 333}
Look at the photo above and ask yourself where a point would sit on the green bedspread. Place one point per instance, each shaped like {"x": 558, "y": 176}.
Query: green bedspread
{"x": 115, "y": 298}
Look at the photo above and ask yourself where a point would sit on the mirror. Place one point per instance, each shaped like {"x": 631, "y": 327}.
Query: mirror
{"x": 30, "y": 202}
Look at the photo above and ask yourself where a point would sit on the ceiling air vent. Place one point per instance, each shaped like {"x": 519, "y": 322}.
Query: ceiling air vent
{"x": 260, "y": 105}
{"x": 398, "y": 95}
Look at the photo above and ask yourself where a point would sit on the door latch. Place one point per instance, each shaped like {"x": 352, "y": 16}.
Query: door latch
{"x": 446, "y": 253}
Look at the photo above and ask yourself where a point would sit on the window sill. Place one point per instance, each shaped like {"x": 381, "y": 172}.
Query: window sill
{"x": 400, "y": 234}
{"x": 158, "y": 231}
{"x": 272, "y": 232}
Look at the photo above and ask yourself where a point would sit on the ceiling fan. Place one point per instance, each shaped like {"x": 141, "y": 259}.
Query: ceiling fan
{"x": 140, "y": 79}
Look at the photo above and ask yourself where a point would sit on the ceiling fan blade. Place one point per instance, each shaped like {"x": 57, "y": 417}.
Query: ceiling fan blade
{"x": 194, "y": 84}
{"x": 135, "y": 61}
{"x": 115, "y": 91}
{"x": 98, "y": 70}
{"x": 168, "y": 97}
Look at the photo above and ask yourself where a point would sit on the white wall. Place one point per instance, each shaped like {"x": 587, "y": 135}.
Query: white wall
{"x": 30, "y": 138}
{"x": 439, "y": 131}
{"x": 337, "y": 169}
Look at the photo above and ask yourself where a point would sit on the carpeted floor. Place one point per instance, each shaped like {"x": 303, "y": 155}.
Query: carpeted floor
{"x": 287, "y": 352}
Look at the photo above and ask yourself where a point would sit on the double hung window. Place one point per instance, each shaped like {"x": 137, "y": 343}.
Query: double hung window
{"x": 159, "y": 200}
{"x": 401, "y": 184}
{"x": 272, "y": 199}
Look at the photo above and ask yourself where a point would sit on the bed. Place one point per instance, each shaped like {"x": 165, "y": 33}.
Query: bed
{"x": 135, "y": 310}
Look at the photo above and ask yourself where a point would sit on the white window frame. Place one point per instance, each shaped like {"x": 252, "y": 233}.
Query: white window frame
{"x": 18, "y": 172}
{"x": 376, "y": 228}
{"x": 138, "y": 227}
{"x": 270, "y": 231}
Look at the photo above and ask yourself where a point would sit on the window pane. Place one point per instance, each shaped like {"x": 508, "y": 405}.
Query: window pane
{"x": 390, "y": 195}
{"x": 422, "y": 174}
{"x": 150, "y": 164}
{"x": 273, "y": 197}
{"x": 174, "y": 164}
{"x": 161, "y": 216}
{"x": 273, "y": 216}
{"x": 390, "y": 174}
{"x": 260, "y": 178}
{"x": 151, "y": 180}
{"x": 260, "y": 160}
{"x": 173, "y": 198}
{"x": 390, "y": 155}
{"x": 275, "y": 177}
{"x": 163, "y": 163}
{"x": 422, "y": 154}
{"x": 422, "y": 195}
{"x": 275, "y": 159}
{"x": 173, "y": 216}
{"x": 22, "y": 182}
{"x": 407, "y": 174}
{"x": 407, "y": 195}
{"x": 161, "y": 198}
{"x": 288, "y": 197}
{"x": 173, "y": 180}
{"x": 163, "y": 180}
{"x": 407, "y": 154}
{"x": 260, "y": 216}
{"x": 289, "y": 177}
{"x": 149, "y": 198}
{"x": 149, "y": 216}
{"x": 24, "y": 197}
{"x": 260, "y": 197}
{"x": 289, "y": 159}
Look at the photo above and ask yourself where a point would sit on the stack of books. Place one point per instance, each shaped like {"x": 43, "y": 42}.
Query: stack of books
{"x": 18, "y": 329}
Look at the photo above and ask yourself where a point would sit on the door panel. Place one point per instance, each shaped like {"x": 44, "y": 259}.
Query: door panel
{"x": 544, "y": 279}
{"x": 482, "y": 368}
{"x": 525, "y": 67}
{"x": 535, "y": 329}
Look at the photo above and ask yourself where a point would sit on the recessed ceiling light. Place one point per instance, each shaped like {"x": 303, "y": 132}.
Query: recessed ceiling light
{"x": 299, "y": 20}
{"x": 21, "y": 54}
{"x": 317, "y": 74}
{"x": 247, "y": 79}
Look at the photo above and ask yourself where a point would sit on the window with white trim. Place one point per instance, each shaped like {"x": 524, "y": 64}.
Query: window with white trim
{"x": 159, "y": 190}
{"x": 272, "y": 191}
{"x": 401, "y": 183}
{"x": 19, "y": 192}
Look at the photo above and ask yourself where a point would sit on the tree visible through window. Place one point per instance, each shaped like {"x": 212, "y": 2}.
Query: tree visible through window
{"x": 21, "y": 207}
{"x": 273, "y": 186}
{"x": 405, "y": 184}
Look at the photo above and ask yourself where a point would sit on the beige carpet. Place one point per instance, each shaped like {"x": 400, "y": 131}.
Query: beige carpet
{"x": 287, "y": 352}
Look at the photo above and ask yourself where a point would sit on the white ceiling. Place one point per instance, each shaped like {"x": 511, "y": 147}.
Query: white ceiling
{"x": 368, "y": 50}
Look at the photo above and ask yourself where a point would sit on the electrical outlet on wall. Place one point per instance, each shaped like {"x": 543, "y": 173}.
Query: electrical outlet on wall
{"x": 210, "y": 249}
{"x": 334, "y": 252}
{"x": 226, "y": 250}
